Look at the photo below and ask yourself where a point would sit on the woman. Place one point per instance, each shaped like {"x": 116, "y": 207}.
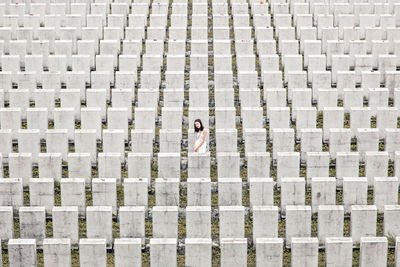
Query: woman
{"x": 200, "y": 144}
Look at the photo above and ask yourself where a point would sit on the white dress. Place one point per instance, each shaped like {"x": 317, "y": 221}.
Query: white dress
{"x": 199, "y": 138}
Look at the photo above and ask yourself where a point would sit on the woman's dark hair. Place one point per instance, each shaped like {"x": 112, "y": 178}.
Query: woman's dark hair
{"x": 201, "y": 125}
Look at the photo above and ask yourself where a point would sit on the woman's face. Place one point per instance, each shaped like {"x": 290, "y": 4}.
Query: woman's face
{"x": 197, "y": 124}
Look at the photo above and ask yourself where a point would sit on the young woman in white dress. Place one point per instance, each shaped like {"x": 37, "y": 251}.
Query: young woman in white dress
{"x": 200, "y": 143}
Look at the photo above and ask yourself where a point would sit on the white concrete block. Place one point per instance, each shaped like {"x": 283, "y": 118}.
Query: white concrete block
{"x": 73, "y": 193}
{"x": 330, "y": 222}
{"x": 11, "y": 193}
{"x": 298, "y": 222}
{"x": 57, "y": 252}
{"x": 233, "y": 252}
{"x": 92, "y": 252}
{"x": 363, "y": 221}
{"x": 6, "y": 223}
{"x": 265, "y": 222}
{"x": 373, "y": 251}
{"x": 198, "y": 222}
{"x": 99, "y": 223}
{"x": 323, "y": 191}
{"x": 136, "y": 191}
{"x": 261, "y": 191}
{"x": 339, "y": 251}
{"x": 65, "y": 223}
{"x": 32, "y": 223}
{"x": 132, "y": 221}
{"x": 228, "y": 165}
{"x": 41, "y": 193}
{"x": 230, "y": 192}
{"x": 269, "y": 252}
{"x": 231, "y": 221}
{"x": 163, "y": 252}
{"x": 385, "y": 192}
{"x": 165, "y": 221}
{"x": 304, "y": 251}
{"x": 292, "y": 191}
{"x": 198, "y": 252}
{"x": 199, "y": 192}
{"x": 104, "y": 192}
{"x": 22, "y": 252}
